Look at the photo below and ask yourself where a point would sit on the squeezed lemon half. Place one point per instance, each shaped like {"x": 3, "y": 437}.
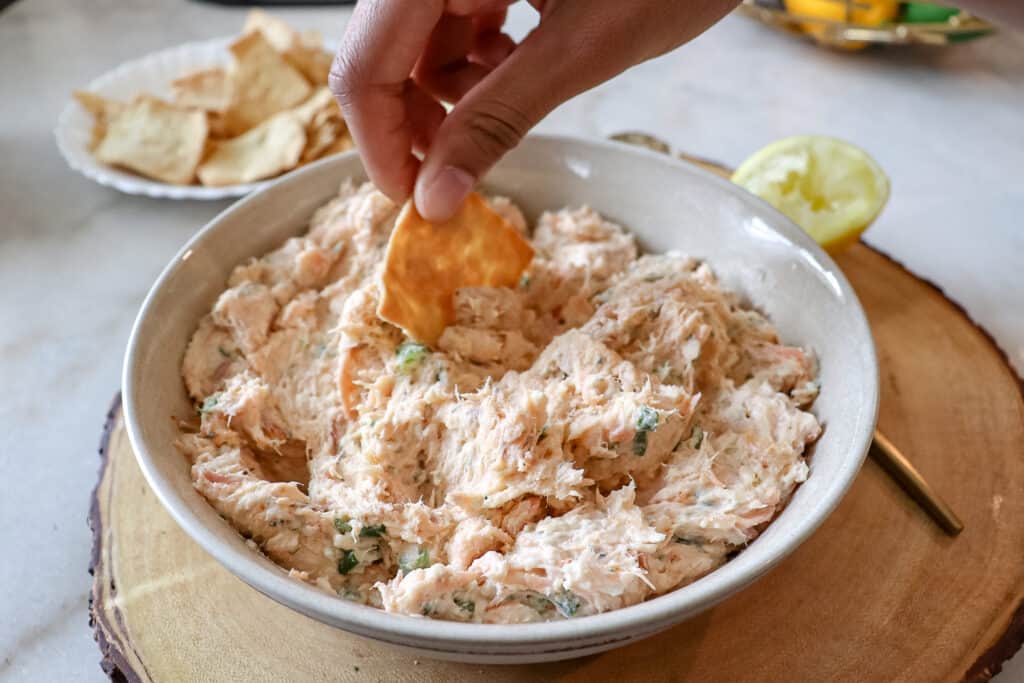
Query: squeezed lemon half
{"x": 830, "y": 188}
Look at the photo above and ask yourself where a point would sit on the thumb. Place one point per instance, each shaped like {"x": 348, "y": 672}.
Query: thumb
{"x": 487, "y": 122}
{"x": 471, "y": 140}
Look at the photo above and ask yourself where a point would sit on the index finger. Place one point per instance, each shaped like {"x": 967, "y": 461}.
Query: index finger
{"x": 369, "y": 78}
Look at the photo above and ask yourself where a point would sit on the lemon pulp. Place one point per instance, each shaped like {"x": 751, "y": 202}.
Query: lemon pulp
{"x": 830, "y": 188}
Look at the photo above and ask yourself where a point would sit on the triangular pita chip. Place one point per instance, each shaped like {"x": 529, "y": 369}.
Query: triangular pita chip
{"x": 426, "y": 263}
{"x": 217, "y": 125}
{"x": 155, "y": 139}
{"x": 280, "y": 35}
{"x": 102, "y": 111}
{"x": 321, "y": 100}
{"x": 303, "y": 50}
{"x": 262, "y": 84}
{"x": 207, "y": 89}
{"x": 313, "y": 61}
{"x": 270, "y": 148}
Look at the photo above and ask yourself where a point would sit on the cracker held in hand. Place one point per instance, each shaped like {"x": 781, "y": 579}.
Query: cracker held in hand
{"x": 156, "y": 139}
{"x": 427, "y": 262}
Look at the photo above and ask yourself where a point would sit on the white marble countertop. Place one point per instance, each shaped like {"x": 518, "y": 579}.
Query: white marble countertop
{"x": 76, "y": 259}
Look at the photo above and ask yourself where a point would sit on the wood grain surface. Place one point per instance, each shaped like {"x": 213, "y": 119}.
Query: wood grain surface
{"x": 879, "y": 593}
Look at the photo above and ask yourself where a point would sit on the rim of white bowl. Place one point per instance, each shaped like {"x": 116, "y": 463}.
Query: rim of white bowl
{"x": 447, "y": 637}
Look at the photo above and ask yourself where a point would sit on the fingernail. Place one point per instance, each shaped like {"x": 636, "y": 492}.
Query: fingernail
{"x": 439, "y": 197}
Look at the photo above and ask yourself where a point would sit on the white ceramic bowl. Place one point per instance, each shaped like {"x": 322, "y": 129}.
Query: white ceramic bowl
{"x": 669, "y": 205}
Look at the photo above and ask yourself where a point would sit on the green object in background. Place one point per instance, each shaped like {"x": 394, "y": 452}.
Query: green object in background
{"x": 927, "y": 13}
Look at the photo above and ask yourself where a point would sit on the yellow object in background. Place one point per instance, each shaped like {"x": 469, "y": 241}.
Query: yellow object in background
{"x": 830, "y": 188}
{"x": 861, "y": 12}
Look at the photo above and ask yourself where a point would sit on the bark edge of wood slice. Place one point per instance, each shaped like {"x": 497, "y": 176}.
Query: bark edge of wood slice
{"x": 877, "y": 593}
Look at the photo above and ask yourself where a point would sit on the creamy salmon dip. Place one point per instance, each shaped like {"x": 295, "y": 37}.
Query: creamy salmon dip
{"x": 611, "y": 429}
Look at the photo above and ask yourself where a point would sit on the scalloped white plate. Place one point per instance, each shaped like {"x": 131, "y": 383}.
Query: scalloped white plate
{"x": 151, "y": 74}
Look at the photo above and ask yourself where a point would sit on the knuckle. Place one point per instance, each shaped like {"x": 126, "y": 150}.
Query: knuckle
{"x": 495, "y": 127}
{"x": 344, "y": 78}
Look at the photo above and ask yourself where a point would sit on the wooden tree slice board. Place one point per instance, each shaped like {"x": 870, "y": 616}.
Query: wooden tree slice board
{"x": 879, "y": 593}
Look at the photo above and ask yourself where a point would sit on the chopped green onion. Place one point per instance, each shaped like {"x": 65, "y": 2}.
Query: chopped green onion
{"x": 465, "y": 604}
{"x": 210, "y": 403}
{"x": 410, "y": 354}
{"x": 224, "y": 352}
{"x": 342, "y": 525}
{"x": 646, "y": 421}
{"x": 349, "y": 594}
{"x": 696, "y": 437}
{"x": 347, "y": 562}
{"x": 524, "y": 281}
{"x": 536, "y": 601}
{"x": 422, "y": 561}
{"x": 566, "y": 602}
{"x": 375, "y": 531}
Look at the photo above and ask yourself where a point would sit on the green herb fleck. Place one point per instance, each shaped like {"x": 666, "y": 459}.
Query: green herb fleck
{"x": 646, "y": 421}
{"x": 224, "y": 352}
{"x": 422, "y": 561}
{"x": 465, "y": 604}
{"x": 524, "y": 281}
{"x": 342, "y": 525}
{"x": 566, "y": 602}
{"x": 375, "y": 531}
{"x": 536, "y": 601}
{"x": 687, "y": 541}
{"x": 349, "y": 594}
{"x": 696, "y": 437}
{"x": 347, "y": 562}
{"x": 210, "y": 403}
{"x": 410, "y": 354}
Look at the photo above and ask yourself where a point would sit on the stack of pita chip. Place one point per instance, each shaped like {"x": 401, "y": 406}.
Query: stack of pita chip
{"x": 268, "y": 112}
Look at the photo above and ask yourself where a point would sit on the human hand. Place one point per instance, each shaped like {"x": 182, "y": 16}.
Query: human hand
{"x": 401, "y": 58}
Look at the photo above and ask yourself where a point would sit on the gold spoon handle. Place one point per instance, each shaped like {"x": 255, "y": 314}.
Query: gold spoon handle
{"x": 883, "y": 450}
{"x": 907, "y": 476}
